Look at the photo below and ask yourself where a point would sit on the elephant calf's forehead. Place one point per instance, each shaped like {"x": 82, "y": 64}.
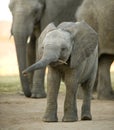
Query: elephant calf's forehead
{"x": 57, "y": 35}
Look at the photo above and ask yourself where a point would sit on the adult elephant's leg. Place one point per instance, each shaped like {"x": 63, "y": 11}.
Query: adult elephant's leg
{"x": 104, "y": 87}
{"x": 38, "y": 83}
{"x": 38, "y": 90}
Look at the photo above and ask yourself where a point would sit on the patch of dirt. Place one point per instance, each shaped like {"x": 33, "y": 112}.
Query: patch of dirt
{"x": 20, "y": 113}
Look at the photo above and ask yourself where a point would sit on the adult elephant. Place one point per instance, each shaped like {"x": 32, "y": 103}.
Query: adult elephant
{"x": 99, "y": 14}
{"x": 29, "y": 19}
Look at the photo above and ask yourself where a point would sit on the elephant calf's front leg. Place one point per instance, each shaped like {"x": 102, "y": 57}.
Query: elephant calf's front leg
{"x": 53, "y": 84}
{"x": 70, "y": 108}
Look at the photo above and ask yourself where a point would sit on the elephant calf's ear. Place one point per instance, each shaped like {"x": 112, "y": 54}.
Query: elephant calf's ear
{"x": 49, "y": 27}
{"x": 85, "y": 42}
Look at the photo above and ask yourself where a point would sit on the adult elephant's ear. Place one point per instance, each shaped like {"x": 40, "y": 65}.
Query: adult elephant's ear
{"x": 48, "y": 28}
{"x": 85, "y": 41}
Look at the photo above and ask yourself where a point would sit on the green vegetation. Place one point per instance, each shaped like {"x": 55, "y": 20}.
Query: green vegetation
{"x": 11, "y": 84}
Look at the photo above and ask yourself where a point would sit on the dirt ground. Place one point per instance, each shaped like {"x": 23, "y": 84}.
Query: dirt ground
{"x": 20, "y": 113}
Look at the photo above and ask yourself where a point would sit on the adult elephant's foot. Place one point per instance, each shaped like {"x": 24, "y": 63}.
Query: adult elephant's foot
{"x": 106, "y": 96}
{"x": 25, "y": 86}
{"x": 38, "y": 93}
{"x": 104, "y": 90}
{"x": 50, "y": 117}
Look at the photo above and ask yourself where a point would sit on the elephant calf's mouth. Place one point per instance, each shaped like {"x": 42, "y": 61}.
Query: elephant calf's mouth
{"x": 62, "y": 62}
{"x": 59, "y": 62}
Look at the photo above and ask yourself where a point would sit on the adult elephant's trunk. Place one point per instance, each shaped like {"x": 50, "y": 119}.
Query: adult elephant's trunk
{"x": 21, "y": 34}
{"x": 20, "y": 44}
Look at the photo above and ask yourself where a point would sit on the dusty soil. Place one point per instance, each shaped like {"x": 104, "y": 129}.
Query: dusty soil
{"x": 20, "y": 113}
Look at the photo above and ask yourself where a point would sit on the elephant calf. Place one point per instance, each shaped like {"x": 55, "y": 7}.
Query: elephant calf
{"x": 71, "y": 51}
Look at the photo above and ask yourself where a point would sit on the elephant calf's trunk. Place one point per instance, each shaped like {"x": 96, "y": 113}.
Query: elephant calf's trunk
{"x": 38, "y": 65}
{"x": 33, "y": 67}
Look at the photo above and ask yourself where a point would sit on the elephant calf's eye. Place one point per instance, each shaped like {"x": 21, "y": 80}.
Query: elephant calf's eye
{"x": 63, "y": 49}
{"x": 34, "y": 12}
{"x": 42, "y": 47}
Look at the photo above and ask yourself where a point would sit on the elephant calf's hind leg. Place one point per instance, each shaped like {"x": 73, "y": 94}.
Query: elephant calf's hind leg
{"x": 86, "y": 112}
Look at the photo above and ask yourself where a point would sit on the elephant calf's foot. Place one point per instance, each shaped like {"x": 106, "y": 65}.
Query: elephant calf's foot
{"x": 86, "y": 116}
{"x": 70, "y": 118}
{"x": 50, "y": 118}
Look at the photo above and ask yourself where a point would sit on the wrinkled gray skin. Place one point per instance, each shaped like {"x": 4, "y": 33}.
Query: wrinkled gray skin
{"x": 29, "y": 19}
{"x": 71, "y": 51}
{"x": 99, "y": 14}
